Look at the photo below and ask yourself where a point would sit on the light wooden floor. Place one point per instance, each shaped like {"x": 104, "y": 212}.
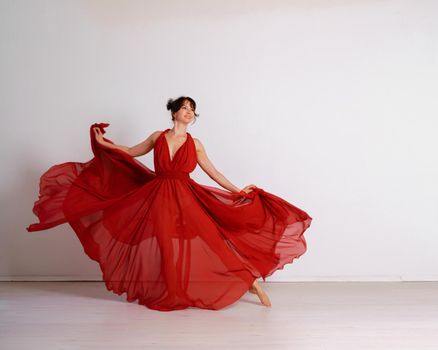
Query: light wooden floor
{"x": 307, "y": 315}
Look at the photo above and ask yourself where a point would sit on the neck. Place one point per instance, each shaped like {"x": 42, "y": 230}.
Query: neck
{"x": 179, "y": 129}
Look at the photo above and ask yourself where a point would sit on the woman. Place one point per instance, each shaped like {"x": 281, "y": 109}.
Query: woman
{"x": 161, "y": 237}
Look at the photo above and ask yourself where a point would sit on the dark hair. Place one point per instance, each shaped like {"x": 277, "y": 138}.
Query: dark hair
{"x": 175, "y": 105}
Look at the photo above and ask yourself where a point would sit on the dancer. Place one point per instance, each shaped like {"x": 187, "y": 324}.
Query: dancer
{"x": 161, "y": 237}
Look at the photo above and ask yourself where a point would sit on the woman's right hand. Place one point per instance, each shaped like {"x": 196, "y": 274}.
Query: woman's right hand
{"x": 98, "y": 134}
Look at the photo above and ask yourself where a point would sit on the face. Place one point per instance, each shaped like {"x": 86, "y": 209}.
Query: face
{"x": 186, "y": 113}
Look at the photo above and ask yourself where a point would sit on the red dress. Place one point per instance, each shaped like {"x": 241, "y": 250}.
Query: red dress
{"x": 164, "y": 239}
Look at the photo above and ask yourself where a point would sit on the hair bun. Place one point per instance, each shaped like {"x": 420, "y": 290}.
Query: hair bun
{"x": 169, "y": 104}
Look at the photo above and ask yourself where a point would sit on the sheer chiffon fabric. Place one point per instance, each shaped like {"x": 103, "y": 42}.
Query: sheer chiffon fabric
{"x": 162, "y": 238}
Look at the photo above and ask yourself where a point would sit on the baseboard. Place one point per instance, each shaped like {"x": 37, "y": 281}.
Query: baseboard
{"x": 382, "y": 278}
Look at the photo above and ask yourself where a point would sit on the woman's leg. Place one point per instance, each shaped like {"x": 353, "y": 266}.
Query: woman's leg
{"x": 256, "y": 289}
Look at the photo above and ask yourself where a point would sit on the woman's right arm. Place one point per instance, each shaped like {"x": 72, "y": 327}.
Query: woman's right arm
{"x": 134, "y": 151}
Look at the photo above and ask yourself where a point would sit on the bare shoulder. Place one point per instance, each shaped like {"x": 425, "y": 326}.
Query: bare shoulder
{"x": 198, "y": 144}
{"x": 155, "y": 135}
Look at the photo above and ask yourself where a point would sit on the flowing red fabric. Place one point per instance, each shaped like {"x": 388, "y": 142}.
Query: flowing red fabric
{"x": 162, "y": 238}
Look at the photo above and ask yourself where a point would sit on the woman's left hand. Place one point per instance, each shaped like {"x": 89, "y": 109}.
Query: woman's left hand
{"x": 248, "y": 188}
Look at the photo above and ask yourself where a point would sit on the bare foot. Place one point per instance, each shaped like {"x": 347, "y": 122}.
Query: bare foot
{"x": 256, "y": 289}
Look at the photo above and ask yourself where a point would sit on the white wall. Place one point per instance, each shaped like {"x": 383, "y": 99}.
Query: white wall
{"x": 331, "y": 105}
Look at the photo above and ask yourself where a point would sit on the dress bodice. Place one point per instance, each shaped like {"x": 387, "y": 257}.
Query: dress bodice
{"x": 184, "y": 160}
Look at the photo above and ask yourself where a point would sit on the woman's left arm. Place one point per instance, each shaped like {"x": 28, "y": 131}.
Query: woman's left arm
{"x": 206, "y": 165}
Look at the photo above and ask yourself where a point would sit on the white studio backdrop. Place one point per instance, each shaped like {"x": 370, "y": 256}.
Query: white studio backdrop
{"x": 331, "y": 105}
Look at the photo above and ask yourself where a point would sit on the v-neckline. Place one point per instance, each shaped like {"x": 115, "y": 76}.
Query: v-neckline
{"x": 168, "y": 147}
